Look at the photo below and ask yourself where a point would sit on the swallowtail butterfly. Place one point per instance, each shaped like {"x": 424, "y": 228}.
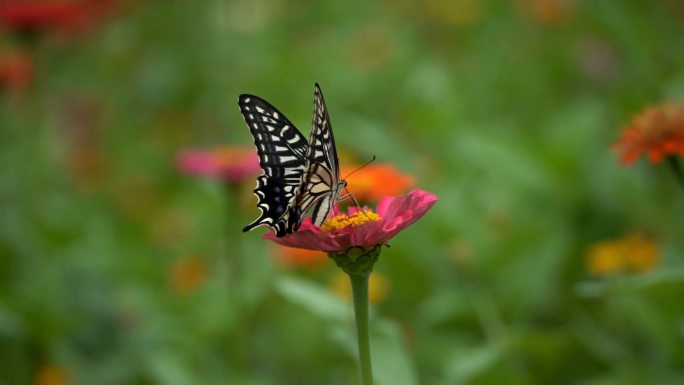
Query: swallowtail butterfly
{"x": 297, "y": 174}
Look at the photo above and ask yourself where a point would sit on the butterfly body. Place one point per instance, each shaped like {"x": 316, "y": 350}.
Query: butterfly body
{"x": 297, "y": 174}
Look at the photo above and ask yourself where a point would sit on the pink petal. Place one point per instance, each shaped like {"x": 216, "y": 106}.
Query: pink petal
{"x": 403, "y": 211}
{"x": 397, "y": 213}
{"x": 307, "y": 237}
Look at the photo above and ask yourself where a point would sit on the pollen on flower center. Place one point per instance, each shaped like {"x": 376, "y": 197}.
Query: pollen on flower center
{"x": 341, "y": 221}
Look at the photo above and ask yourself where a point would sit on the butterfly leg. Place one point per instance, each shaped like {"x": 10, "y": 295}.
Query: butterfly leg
{"x": 351, "y": 196}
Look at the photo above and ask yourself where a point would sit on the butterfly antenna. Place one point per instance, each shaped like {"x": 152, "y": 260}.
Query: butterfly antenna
{"x": 360, "y": 167}
{"x": 349, "y": 193}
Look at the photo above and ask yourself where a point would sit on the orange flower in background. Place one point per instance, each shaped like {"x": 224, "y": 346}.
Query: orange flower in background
{"x": 657, "y": 132}
{"x": 376, "y": 180}
{"x": 548, "y": 11}
{"x": 641, "y": 253}
{"x": 16, "y": 70}
{"x": 634, "y": 252}
{"x": 293, "y": 256}
{"x": 51, "y": 374}
{"x": 187, "y": 274}
{"x": 378, "y": 287}
{"x": 233, "y": 164}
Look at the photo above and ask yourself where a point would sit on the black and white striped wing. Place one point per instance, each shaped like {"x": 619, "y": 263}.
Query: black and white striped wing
{"x": 283, "y": 154}
{"x": 321, "y": 183}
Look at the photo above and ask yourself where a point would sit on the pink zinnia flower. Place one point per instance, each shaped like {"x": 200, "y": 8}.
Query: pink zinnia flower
{"x": 233, "y": 164}
{"x": 354, "y": 241}
{"x": 364, "y": 229}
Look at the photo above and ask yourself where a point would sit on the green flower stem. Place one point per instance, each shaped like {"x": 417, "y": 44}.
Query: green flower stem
{"x": 358, "y": 263}
{"x": 359, "y": 284}
{"x": 676, "y": 168}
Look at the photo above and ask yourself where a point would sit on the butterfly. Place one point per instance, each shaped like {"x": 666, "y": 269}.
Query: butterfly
{"x": 297, "y": 174}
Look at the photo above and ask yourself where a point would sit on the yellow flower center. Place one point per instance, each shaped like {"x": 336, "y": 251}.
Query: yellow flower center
{"x": 341, "y": 221}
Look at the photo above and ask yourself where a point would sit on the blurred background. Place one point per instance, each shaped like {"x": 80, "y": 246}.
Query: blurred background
{"x": 126, "y": 173}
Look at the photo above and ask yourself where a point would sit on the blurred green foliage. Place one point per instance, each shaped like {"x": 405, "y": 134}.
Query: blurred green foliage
{"x": 505, "y": 109}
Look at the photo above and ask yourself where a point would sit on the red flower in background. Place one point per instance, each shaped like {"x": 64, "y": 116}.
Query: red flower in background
{"x": 16, "y": 70}
{"x": 233, "y": 164}
{"x": 66, "y": 16}
{"x": 375, "y": 181}
{"x": 657, "y": 131}
{"x": 360, "y": 229}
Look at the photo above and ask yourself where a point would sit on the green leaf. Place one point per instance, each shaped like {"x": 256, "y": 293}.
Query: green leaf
{"x": 314, "y": 298}
{"x": 392, "y": 364}
{"x": 469, "y": 362}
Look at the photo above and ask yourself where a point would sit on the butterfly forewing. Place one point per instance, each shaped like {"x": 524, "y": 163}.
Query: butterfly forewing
{"x": 282, "y": 151}
{"x": 321, "y": 141}
{"x": 321, "y": 183}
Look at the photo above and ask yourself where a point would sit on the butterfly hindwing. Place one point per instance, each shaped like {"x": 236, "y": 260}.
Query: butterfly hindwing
{"x": 282, "y": 151}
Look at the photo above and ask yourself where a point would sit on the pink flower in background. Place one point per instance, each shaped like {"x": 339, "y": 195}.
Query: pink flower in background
{"x": 233, "y": 164}
{"x": 360, "y": 229}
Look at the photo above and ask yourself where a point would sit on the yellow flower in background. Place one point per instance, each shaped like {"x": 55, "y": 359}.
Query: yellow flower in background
{"x": 454, "y": 12}
{"x": 605, "y": 258}
{"x": 51, "y": 374}
{"x": 378, "y": 287}
{"x": 633, "y": 252}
